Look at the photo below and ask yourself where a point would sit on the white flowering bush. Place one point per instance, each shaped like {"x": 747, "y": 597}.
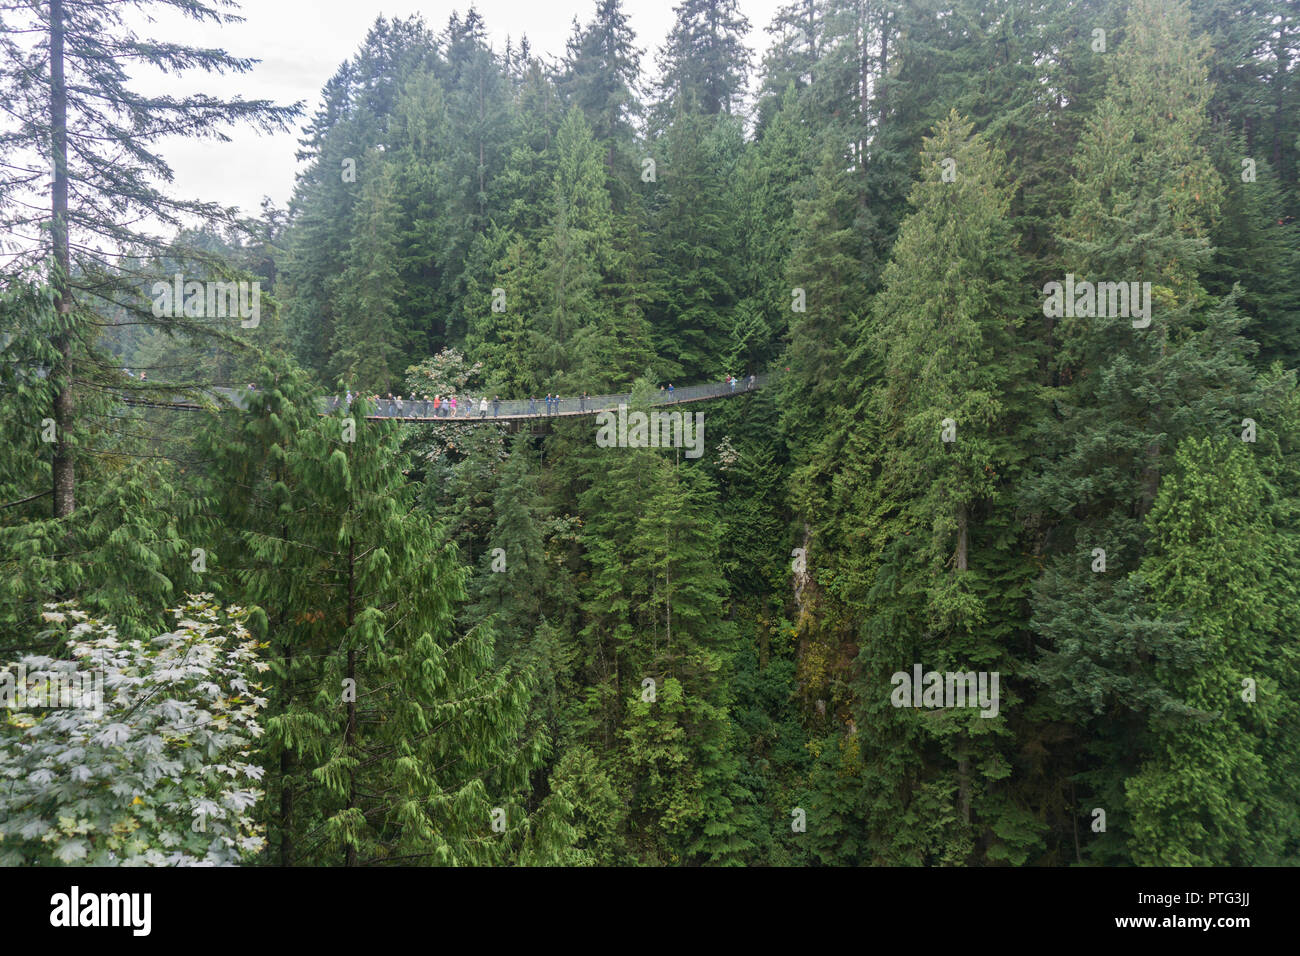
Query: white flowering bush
{"x": 162, "y": 773}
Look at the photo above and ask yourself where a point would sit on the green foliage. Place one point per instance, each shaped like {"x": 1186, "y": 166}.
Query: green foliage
{"x": 1204, "y": 795}
{"x": 142, "y": 757}
{"x": 362, "y": 592}
{"x": 498, "y": 643}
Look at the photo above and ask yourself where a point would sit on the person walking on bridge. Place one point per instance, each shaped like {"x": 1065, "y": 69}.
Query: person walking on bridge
{"x": 670, "y": 391}
{"x": 482, "y": 407}
{"x": 532, "y": 405}
{"x": 496, "y": 406}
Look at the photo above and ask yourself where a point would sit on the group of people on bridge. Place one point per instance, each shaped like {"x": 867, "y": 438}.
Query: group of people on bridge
{"x": 450, "y": 406}
{"x": 453, "y": 406}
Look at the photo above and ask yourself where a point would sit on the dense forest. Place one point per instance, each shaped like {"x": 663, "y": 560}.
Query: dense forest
{"x": 1024, "y": 279}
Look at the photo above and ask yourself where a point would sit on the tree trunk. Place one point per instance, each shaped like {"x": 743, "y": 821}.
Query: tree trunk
{"x": 350, "y": 736}
{"x": 1280, "y": 87}
{"x": 962, "y": 522}
{"x": 884, "y": 71}
{"x": 963, "y": 786}
{"x": 64, "y": 453}
{"x": 286, "y": 756}
{"x": 1150, "y": 480}
{"x": 668, "y": 601}
{"x": 864, "y": 89}
{"x": 286, "y": 790}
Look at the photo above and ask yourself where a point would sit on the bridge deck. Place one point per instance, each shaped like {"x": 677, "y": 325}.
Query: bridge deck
{"x": 506, "y": 410}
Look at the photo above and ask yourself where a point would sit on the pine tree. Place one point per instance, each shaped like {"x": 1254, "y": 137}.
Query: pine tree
{"x": 426, "y": 227}
{"x": 1144, "y": 194}
{"x": 704, "y": 63}
{"x": 695, "y": 255}
{"x": 955, "y": 403}
{"x": 404, "y": 740}
{"x": 573, "y": 254}
{"x": 499, "y": 333}
{"x": 1202, "y": 796}
{"x": 482, "y": 127}
{"x": 766, "y": 183}
{"x": 127, "y": 551}
{"x": 790, "y": 58}
{"x": 512, "y": 572}
{"x": 601, "y": 76}
{"x": 94, "y": 197}
{"x": 371, "y": 338}
{"x": 827, "y": 303}
{"x": 655, "y": 655}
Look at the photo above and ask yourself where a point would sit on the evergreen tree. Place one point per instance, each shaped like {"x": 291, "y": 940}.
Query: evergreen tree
{"x": 1144, "y": 194}
{"x": 94, "y": 199}
{"x": 602, "y": 74}
{"x": 482, "y": 127}
{"x": 371, "y": 336}
{"x": 404, "y": 739}
{"x": 573, "y": 255}
{"x": 512, "y": 573}
{"x": 695, "y": 261}
{"x": 791, "y": 56}
{"x": 955, "y": 404}
{"x": 766, "y": 185}
{"x": 363, "y": 116}
{"x": 704, "y": 63}
{"x": 1203, "y": 796}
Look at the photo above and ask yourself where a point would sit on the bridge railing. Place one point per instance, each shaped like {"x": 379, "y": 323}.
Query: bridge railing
{"x": 420, "y": 410}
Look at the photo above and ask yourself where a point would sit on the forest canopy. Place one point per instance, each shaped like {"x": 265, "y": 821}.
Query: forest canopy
{"x": 994, "y": 565}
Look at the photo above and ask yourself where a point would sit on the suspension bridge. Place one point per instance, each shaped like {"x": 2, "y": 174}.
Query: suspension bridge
{"x": 480, "y": 409}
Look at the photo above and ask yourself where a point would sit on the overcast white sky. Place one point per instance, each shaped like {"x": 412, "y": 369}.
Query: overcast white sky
{"x": 302, "y": 42}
